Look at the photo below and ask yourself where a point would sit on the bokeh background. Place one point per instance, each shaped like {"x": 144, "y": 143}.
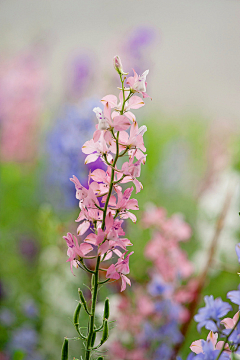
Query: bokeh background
{"x": 55, "y": 66}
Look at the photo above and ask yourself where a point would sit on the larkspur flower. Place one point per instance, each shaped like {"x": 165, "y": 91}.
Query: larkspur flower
{"x": 210, "y": 315}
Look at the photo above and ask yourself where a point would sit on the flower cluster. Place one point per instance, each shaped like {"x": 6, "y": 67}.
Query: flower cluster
{"x": 228, "y": 329}
{"x": 153, "y": 319}
{"x": 103, "y": 203}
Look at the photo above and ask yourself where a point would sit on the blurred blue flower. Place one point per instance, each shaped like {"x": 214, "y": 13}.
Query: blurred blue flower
{"x": 7, "y": 317}
{"x": 30, "y": 309}
{"x": 163, "y": 352}
{"x": 169, "y": 309}
{"x": 24, "y": 338}
{"x": 210, "y": 315}
{"x": 158, "y": 287}
{"x": 169, "y": 333}
{"x": 74, "y": 126}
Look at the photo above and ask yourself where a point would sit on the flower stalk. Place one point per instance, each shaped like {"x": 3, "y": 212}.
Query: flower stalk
{"x": 102, "y": 224}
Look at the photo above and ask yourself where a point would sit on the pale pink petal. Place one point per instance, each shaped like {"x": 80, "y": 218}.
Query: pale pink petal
{"x": 91, "y": 158}
{"x": 112, "y": 273}
{"x": 228, "y": 323}
{"x": 212, "y": 337}
{"x": 98, "y": 175}
{"x": 91, "y": 238}
{"x": 121, "y": 123}
{"x": 135, "y": 102}
{"x": 111, "y": 99}
{"x": 196, "y": 346}
{"x": 124, "y": 281}
{"x": 107, "y": 111}
{"x": 130, "y": 115}
{"x": 83, "y": 227}
{"x": 103, "y": 248}
{"x": 85, "y": 248}
{"x": 108, "y": 137}
{"x": 96, "y": 135}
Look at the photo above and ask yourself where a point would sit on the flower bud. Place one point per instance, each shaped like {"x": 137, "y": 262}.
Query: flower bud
{"x": 118, "y": 65}
{"x": 105, "y": 331}
{"x": 65, "y": 350}
{"x": 83, "y": 301}
{"x": 106, "y": 309}
{"x": 76, "y": 316}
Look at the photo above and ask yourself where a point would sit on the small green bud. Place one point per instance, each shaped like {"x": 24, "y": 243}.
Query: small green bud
{"x": 105, "y": 331}
{"x": 83, "y": 301}
{"x": 65, "y": 350}
{"x": 100, "y": 358}
{"x": 76, "y": 316}
{"x": 93, "y": 339}
{"x": 106, "y": 309}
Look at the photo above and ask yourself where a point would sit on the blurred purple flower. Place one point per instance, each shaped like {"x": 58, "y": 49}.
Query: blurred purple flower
{"x": 30, "y": 309}
{"x": 28, "y": 248}
{"x": 79, "y": 72}
{"x": 24, "y": 338}
{"x": 210, "y": 315}
{"x": 137, "y": 47}
{"x": 74, "y": 126}
{"x": 7, "y": 318}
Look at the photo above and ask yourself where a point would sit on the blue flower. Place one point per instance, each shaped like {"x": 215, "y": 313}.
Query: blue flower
{"x": 210, "y": 315}
{"x": 209, "y": 353}
{"x": 234, "y": 296}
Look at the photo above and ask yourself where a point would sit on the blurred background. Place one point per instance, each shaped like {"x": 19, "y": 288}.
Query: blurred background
{"x": 55, "y": 66}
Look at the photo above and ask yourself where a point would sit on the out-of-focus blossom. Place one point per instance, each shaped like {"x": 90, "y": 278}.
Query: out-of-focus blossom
{"x": 63, "y": 148}
{"x": 137, "y": 45}
{"x": 22, "y": 86}
{"x": 7, "y": 317}
{"x": 152, "y": 318}
{"x": 28, "y": 248}
{"x": 80, "y": 71}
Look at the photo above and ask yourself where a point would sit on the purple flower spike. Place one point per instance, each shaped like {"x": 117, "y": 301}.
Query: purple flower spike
{"x": 210, "y": 315}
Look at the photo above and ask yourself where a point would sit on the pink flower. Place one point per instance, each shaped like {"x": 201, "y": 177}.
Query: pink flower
{"x": 135, "y": 102}
{"x": 124, "y": 204}
{"x": 138, "y": 83}
{"x": 120, "y": 269}
{"x": 134, "y": 142}
{"x": 96, "y": 149}
{"x": 105, "y": 122}
{"x": 230, "y": 323}
{"x": 132, "y": 170}
{"x": 75, "y": 252}
{"x": 196, "y": 346}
